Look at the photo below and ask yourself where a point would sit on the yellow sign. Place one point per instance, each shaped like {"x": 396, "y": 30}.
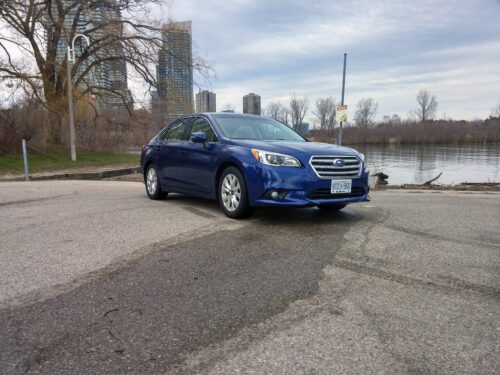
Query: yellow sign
{"x": 341, "y": 115}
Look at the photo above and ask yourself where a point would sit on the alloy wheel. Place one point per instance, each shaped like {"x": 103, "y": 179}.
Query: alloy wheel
{"x": 231, "y": 192}
{"x": 152, "y": 181}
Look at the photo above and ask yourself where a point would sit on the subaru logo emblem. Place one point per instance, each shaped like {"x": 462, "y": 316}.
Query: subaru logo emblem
{"x": 339, "y": 162}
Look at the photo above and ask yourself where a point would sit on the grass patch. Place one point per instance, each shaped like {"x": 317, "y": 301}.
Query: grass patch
{"x": 61, "y": 160}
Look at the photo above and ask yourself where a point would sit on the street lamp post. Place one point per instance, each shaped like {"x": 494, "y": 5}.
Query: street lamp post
{"x": 71, "y": 58}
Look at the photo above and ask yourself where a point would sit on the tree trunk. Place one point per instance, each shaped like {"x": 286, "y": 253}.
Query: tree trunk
{"x": 53, "y": 127}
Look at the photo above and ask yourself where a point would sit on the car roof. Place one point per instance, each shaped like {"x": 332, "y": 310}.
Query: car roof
{"x": 231, "y": 114}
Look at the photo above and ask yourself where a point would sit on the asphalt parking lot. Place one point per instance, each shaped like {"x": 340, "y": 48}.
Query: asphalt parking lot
{"x": 96, "y": 278}
{"x": 54, "y": 232}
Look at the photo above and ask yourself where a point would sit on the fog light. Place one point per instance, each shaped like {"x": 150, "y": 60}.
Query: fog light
{"x": 275, "y": 195}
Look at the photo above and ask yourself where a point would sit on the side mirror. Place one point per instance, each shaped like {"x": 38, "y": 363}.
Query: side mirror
{"x": 199, "y": 137}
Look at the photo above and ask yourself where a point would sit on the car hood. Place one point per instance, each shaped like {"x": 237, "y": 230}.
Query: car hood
{"x": 297, "y": 148}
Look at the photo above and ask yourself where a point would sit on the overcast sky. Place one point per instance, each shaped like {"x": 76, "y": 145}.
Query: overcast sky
{"x": 394, "y": 48}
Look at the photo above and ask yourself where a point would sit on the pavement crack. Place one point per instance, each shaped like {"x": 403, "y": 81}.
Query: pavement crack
{"x": 451, "y": 286}
{"x": 441, "y": 238}
{"x": 2, "y": 204}
{"x": 113, "y": 336}
{"x": 198, "y": 212}
{"x": 109, "y": 312}
{"x": 465, "y": 285}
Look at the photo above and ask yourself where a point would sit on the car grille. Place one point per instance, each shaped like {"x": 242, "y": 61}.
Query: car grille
{"x": 326, "y": 194}
{"x": 325, "y": 166}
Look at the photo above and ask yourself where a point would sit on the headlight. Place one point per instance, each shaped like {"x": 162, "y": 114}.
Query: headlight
{"x": 275, "y": 159}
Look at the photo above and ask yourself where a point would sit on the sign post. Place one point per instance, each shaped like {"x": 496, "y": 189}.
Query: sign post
{"x": 25, "y": 158}
{"x": 342, "y": 103}
{"x": 341, "y": 115}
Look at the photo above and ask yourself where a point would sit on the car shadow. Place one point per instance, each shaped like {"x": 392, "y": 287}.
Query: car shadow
{"x": 290, "y": 216}
{"x": 303, "y": 215}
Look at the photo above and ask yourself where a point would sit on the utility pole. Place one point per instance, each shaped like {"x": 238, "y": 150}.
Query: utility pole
{"x": 343, "y": 89}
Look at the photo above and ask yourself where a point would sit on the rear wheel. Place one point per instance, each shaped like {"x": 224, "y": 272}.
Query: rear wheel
{"x": 232, "y": 192}
{"x": 153, "y": 188}
{"x": 332, "y": 207}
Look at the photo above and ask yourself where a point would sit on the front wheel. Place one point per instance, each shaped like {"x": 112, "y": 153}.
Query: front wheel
{"x": 232, "y": 192}
{"x": 153, "y": 188}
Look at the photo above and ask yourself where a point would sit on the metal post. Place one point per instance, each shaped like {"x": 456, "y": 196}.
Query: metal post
{"x": 343, "y": 89}
{"x": 70, "y": 104}
{"x": 25, "y": 157}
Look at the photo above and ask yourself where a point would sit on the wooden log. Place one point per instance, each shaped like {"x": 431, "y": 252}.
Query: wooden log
{"x": 481, "y": 183}
{"x": 434, "y": 179}
{"x": 381, "y": 178}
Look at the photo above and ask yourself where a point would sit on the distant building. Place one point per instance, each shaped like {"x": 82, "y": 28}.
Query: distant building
{"x": 302, "y": 128}
{"x": 206, "y": 101}
{"x": 107, "y": 81}
{"x": 155, "y": 101}
{"x": 175, "y": 70}
{"x": 251, "y": 104}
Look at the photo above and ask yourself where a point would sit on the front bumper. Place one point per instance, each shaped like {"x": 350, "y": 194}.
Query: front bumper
{"x": 302, "y": 187}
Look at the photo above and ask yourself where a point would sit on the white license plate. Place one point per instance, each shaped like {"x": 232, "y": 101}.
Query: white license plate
{"x": 341, "y": 186}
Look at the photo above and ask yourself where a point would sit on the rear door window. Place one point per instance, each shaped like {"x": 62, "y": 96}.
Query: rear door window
{"x": 175, "y": 132}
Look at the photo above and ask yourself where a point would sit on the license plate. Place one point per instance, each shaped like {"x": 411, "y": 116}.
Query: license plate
{"x": 341, "y": 186}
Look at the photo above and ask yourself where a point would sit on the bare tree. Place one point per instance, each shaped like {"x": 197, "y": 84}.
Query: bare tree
{"x": 426, "y": 106}
{"x": 227, "y": 108}
{"x": 277, "y": 111}
{"x": 325, "y": 112}
{"x": 395, "y": 119}
{"x": 285, "y": 116}
{"x": 34, "y": 35}
{"x": 298, "y": 110}
{"x": 274, "y": 110}
{"x": 365, "y": 112}
{"x": 18, "y": 122}
{"x": 495, "y": 111}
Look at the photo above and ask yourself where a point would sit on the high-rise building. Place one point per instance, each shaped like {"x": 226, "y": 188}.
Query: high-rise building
{"x": 205, "y": 101}
{"x": 251, "y": 104}
{"x": 175, "y": 70}
{"x": 107, "y": 80}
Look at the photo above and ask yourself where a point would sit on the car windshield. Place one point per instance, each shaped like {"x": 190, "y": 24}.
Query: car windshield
{"x": 258, "y": 128}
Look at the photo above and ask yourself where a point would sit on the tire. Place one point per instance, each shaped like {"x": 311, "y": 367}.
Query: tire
{"x": 332, "y": 207}
{"x": 232, "y": 193}
{"x": 153, "y": 188}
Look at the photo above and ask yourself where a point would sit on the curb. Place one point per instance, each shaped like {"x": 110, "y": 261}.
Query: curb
{"x": 79, "y": 175}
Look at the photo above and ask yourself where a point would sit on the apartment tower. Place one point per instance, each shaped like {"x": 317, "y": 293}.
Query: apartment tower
{"x": 205, "y": 101}
{"x": 251, "y": 104}
{"x": 108, "y": 79}
{"x": 175, "y": 71}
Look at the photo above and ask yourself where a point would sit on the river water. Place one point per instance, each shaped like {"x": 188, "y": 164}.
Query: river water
{"x": 415, "y": 164}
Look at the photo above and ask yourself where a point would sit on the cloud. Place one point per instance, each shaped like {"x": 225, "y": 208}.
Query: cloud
{"x": 395, "y": 48}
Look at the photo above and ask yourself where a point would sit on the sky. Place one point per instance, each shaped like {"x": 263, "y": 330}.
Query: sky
{"x": 394, "y": 48}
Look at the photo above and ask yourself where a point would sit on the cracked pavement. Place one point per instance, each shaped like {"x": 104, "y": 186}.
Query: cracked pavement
{"x": 405, "y": 284}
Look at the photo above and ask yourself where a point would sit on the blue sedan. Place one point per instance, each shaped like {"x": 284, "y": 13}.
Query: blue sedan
{"x": 247, "y": 161}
